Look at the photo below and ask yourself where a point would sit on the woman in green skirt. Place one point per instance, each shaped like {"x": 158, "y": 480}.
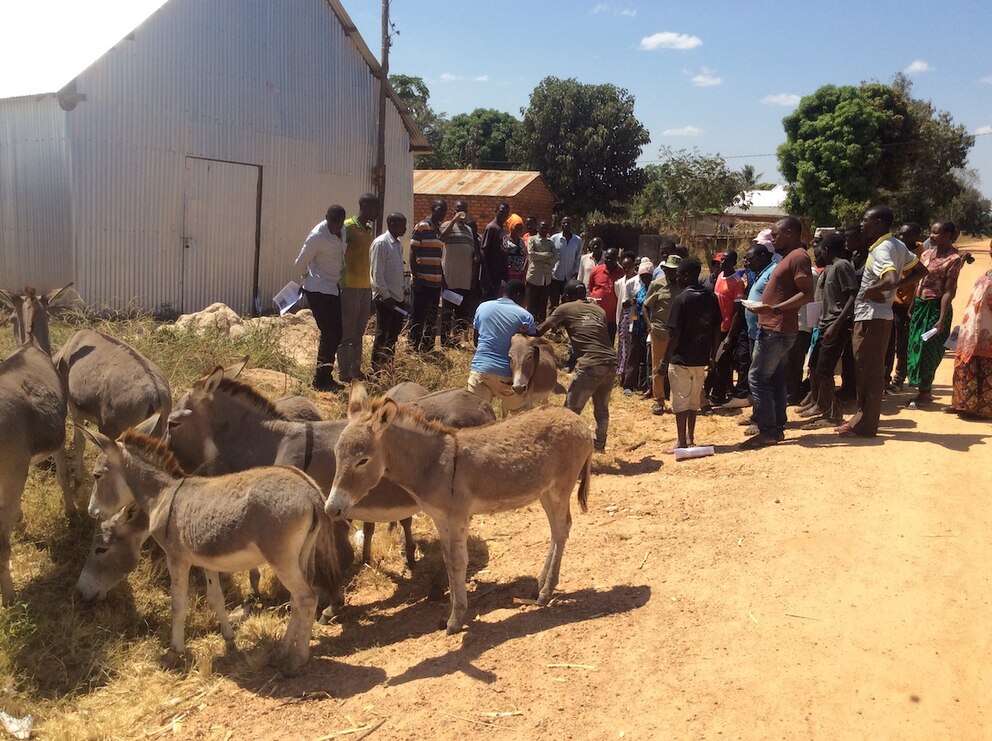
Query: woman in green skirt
{"x": 932, "y": 309}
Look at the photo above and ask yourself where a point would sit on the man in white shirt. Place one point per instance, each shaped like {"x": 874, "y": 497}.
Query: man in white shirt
{"x": 386, "y": 274}
{"x": 568, "y": 246}
{"x": 321, "y": 258}
{"x": 591, "y": 259}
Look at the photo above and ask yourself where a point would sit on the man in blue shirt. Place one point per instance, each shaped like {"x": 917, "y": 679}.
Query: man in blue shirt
{"x": 495, "y": 324}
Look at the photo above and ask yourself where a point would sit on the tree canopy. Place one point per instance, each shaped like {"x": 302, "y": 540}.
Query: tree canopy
{"x": 686, "y": 182}
{"x": 847, "y": 147}
{"x": 585, "y": 140}
{"x": 416, "y": 95}
{"x": 479, "y": 139}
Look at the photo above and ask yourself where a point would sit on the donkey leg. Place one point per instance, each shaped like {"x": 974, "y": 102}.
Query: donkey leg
{"x": 215, "y": 596}
{"x": 179, "y": 586}
{"x": 409, "y": 542}
{"x": 78, "y": 443}
{"x": 368, "y": 530}
{"x": 62, "y": 472}
{"x": 11, "y": 489}
{"x": 294, "y": 649}
{"x": 454, "y": 546}
{"x": 560, "y": 519}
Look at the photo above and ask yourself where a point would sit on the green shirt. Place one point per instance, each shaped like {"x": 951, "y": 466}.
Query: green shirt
{"x": 659, "y": 301}
{"x": 586, "y": 326}
{"x": 358, "y": 239}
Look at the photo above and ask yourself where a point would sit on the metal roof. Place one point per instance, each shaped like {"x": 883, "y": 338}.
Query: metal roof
{"x": 504, "y": 183}
{"x": 47, "y": 56}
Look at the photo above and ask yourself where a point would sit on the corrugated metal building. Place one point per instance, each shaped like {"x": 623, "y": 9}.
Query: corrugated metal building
{"x": 527, "y": 192}
{"x": 188, "y": 163}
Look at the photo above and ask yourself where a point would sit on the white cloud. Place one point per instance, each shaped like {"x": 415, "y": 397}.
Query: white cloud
{"x": 481, "y": 78}
{"x": 628, "y": 12}
{"x": 987, "y": 80}
{"x": 918, "y": 67}
{"x": 599, "y": 8}
{"x": 784, "y": 99}
{"x": 448, "y": 77}
{"x": 684, "y": 131}
{"x": 670, "y": 40}
{"x": 705, "y": 78}
{"x": 982, "y": 130}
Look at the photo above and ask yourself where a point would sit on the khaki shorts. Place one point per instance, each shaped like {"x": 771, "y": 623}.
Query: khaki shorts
{"x": 686, "y": 382}
{"x": 488, "y": 386}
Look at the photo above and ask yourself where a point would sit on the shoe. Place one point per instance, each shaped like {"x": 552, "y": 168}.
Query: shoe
{"x": 893, "y": 386}
{"x": 757, "y": 442}
{"x": 599, "y": 447}
{"x": 737, "y": 402}
{"x": 657, "y": 408}
{"x": 809, "y": 413}
{"x": 331, "y": 386}
{"x": 628, "y": 392}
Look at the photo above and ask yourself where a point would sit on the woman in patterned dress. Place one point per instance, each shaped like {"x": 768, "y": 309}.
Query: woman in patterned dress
{"x": 972, "y": 395}
{"x": 932, "y": 309}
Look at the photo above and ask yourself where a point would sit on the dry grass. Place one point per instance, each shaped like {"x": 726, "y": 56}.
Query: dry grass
{"x": 92, "y": 671}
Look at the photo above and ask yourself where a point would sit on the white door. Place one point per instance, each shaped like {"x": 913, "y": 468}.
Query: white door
{"x": 220, "y": 234}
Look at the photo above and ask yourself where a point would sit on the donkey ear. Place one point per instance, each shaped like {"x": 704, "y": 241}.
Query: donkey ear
{"x": 177, "y": 417}
{"x": 384, "y": 417}
{"x": 6, "y": 297}
{"x": 211, "y": 382}
{"x": 97, "y": 438}
{"x": 233, "y": 371}
{"x": 149, "y": 426}
{"x": 50, "y": 297}
{"x": 358, "y": 400}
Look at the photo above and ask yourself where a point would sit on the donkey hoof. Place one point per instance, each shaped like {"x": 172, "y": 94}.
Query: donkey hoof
{"x": 172, "y": 660}
{"x": 292, "y": 667}
{"x": 328, "y": 616}
{"x": 543, "y": 599}
{"x": 452, "y": 628}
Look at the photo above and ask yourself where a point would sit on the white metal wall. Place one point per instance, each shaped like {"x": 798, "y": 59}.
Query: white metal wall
{"x": 278, "y": 85}
{"x": 35, "y": 223}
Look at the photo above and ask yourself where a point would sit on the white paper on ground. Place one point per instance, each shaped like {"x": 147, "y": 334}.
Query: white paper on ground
{"x": 700, "y": 451}
{"x": 928, "y": 334}
{"x": 452, "y": 298}
{"x": 288, "y": 297}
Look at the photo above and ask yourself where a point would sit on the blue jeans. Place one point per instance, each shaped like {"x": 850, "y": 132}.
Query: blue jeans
{"x": 767, "y": 379}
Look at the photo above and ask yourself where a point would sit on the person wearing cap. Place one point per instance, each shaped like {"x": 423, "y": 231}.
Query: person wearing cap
{"x": 716, "y": 267}
{"x": 495, "y": 324}
{"x": 658, "y": 305}
{"x": 596, "y": 360}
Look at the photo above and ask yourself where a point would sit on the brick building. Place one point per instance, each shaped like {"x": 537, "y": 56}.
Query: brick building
{"x": 527, "y": 193}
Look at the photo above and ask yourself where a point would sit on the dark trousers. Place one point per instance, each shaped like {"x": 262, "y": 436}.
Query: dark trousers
{"x": 898, "y": 340}
{"x": 456, "y": 318}
{"x": 720, "y": 378}
{"x": 594, "y": 383}
{"x": 327, "y": 314}
{"x": 634, "y": 366}
{"x": 848, "y": 373}
{"x": 554, "y": 294}
{"x": 870, "y": 340}
{"x": 797, "y": 363}
{"x": 537, "y": 301}
{"x": 388, "y": 325}
{"x": 828, "y": 354}
{"x": 742, "y": 362}
{"x": 423, "y": 317}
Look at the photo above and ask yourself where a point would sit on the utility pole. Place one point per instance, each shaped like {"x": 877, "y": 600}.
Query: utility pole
{"x": 379, "y": 173}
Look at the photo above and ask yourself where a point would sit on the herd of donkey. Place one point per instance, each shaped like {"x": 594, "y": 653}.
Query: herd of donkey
{"x": 227, "y": 480}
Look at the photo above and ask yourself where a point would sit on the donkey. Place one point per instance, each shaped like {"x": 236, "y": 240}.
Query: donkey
{"x": 222, "y": 425}
{"x": 455, "y": 474}
{"x": 32, "y": 417}
{"x": 224, "y": 523}
{"x": 535, "y": 372}
{"x": 116, "y": 546}
{"x": 110, "y": 384}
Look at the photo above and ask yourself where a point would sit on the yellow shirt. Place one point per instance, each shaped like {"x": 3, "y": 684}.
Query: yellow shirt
{"x": 358, "y": 239}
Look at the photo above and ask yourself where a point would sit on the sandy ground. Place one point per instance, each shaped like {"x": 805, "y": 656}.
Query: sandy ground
{"x": 816, "y": 589}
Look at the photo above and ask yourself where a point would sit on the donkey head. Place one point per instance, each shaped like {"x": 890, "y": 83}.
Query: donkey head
{"x": 30, "y": 317}
{"x": 114, "y": 552}
{"x": 110, "y": 489}
{"x": 190, "y": 429}
{"x": 525, "y": 355}
{"x": 359, "y": 452}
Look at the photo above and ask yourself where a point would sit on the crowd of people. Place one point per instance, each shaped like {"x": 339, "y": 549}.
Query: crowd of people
{"x": 871, "y": 303}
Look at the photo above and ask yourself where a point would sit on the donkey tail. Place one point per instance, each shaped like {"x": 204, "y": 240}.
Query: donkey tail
{"x": 308, "y": 553}
{"x": 584, "y": 483}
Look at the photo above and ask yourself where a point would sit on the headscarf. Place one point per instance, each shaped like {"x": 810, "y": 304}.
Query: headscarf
{"x": 511, "y": 221}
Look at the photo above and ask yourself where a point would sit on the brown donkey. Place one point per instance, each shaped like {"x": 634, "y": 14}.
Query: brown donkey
{"x": 455, "y": 474}
{"x": 225, "y": 523}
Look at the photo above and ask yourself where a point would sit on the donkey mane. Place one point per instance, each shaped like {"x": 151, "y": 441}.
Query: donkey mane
{"x": 239, "y": 390}
{"x": 155, "y": 449}
{"x": 411, "y": 417}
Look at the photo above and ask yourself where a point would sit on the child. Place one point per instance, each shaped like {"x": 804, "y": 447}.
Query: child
{"x": 694, "y": 333}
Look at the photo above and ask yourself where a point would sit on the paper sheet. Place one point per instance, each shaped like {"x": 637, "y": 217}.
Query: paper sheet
{"x": 288, "y": 297}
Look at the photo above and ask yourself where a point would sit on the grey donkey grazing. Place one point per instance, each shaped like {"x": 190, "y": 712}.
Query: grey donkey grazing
{"x": 537, "y": 455}
{"x": 223, "y": 523}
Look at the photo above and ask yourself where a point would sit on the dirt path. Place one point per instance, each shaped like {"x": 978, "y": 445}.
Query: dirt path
{"x": 816, "y": 589}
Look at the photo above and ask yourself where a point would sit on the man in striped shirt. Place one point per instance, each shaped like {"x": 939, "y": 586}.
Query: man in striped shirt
{"x": 426, "y": 250}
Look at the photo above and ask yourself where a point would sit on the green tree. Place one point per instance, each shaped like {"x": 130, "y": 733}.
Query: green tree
{"x": 969, "y": 209}
{"x": 685, "y": 182}
{"x": 479, "y": 139}
{"x": 416, "y": 95}
{"x": 750, "y": 177}
{"x": 585, "y": 140}
{"x": 847, "y": 147}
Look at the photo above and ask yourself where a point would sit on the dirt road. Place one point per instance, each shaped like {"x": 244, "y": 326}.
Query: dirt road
{"x": 818, "y": 589}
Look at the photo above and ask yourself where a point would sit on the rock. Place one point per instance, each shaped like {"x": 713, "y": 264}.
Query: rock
{"x": 216, "y": 317}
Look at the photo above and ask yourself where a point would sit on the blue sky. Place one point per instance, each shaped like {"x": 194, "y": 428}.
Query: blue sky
{"x": 714, "y": 75}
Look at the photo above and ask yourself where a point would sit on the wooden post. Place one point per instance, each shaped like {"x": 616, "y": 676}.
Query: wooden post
{"x": 379, "y": 173}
